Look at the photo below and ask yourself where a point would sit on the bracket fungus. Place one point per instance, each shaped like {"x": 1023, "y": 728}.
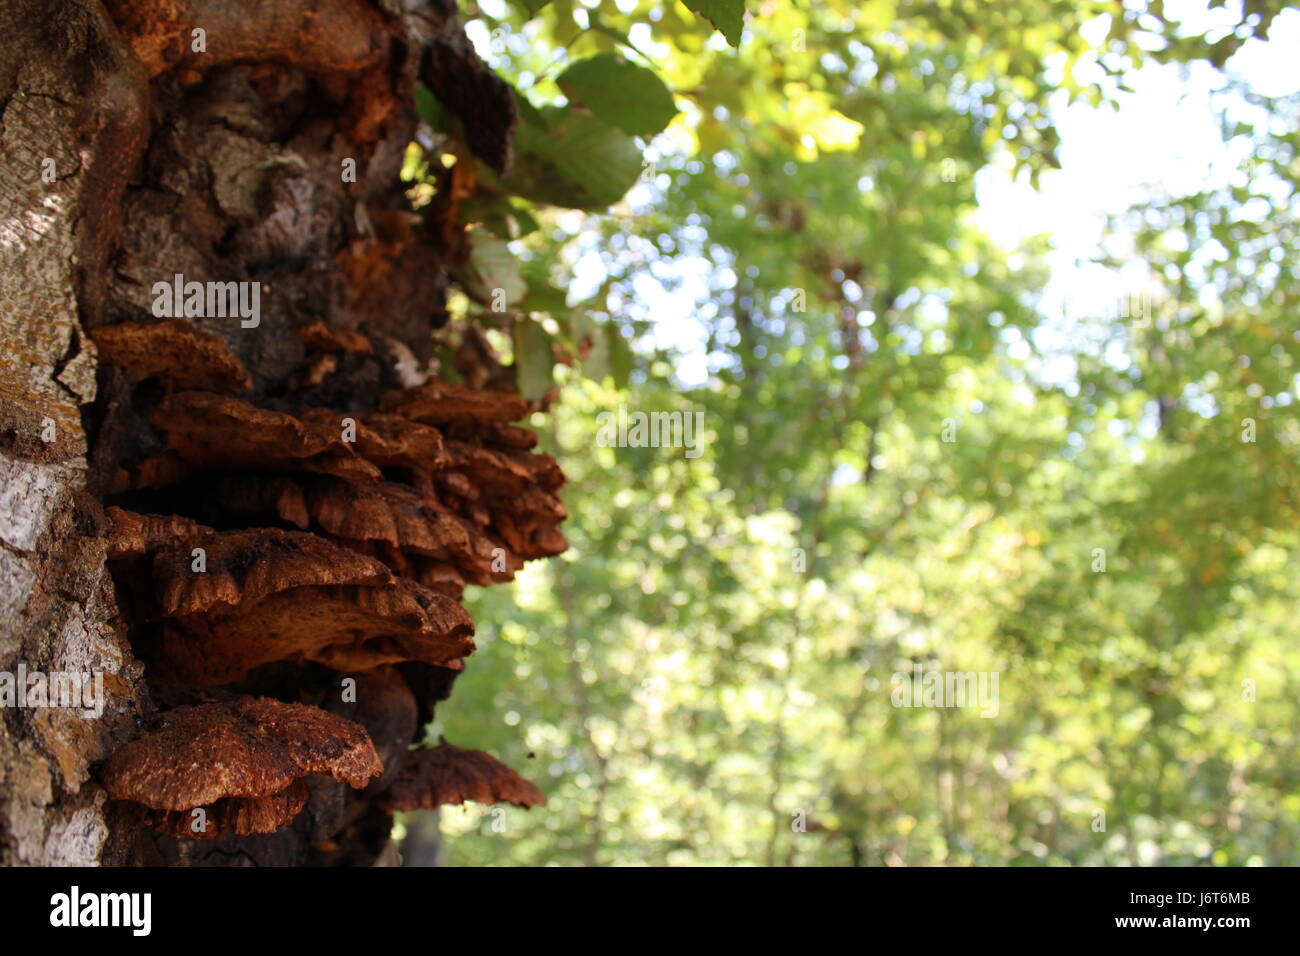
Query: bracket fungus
{"x": 320, "y": 538}
{"x": 415, "y": 535}
{"x": 322, "y": 525}
{"x": 204, "y": 429}
{"x": 269, "y": 595}
{"x": 434, "y": 490}
{"x": 132, "y": 535}
{"x": 319, "y": 337}
{"x": 436, "y": 776}
{"x": 387, "y": 708}
{"x": 454, "y": 406}
{"x": 243, "y": 763}
{"x": 175, "y": 353}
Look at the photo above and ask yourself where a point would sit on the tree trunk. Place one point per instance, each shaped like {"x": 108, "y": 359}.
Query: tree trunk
{"x": 73, "y": 120}
{"x": 423, "y": 844}
{"x": 254, "y": 142}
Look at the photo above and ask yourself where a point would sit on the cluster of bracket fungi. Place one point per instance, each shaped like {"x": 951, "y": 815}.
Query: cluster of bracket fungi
{"x": 293, "y": 507}
{"x": 335, "y": 542}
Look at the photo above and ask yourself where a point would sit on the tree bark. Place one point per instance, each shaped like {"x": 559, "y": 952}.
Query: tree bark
{"x": 423, "y": 844}
{"x": 254, "y": 141}
{"x": 72, "y": 110}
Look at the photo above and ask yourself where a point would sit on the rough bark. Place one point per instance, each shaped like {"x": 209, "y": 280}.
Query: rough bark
{"x": 223, "y": 161}
{"x": 70, "y": 92}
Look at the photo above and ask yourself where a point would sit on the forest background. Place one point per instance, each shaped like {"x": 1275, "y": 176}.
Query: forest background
{"x": 1066, "y": 460}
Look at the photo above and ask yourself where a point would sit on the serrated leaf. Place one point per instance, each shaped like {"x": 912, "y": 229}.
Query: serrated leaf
{"x": 727, "y": 16}
{"x": 534, "y": 359}
{"x": 491, "y": 275}
{"x": 504, "y": 219}
{"x": 575, "y": 159}
{"x": 621, "y": 93}
{"x": 544, "y": 297}
{"x": 491, "y": 211}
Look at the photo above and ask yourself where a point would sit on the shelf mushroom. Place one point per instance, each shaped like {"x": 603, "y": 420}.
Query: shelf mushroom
{"x": 436, "y": 776}
{"x": 269, "y": 595}
{"x": 237, "y": 766}
{"x": 174, "y": 352}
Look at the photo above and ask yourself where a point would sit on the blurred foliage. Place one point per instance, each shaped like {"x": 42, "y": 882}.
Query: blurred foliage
{"x": 705, "y": 677}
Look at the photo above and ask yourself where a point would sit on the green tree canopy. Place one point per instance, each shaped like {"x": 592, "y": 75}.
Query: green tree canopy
{"x": 889, "y": 481}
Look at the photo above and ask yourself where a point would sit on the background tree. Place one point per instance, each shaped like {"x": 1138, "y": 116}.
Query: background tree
{"x": 740, "y": 617}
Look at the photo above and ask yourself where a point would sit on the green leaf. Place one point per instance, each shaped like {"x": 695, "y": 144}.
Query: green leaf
{"x": 534, "y": 359}
{"x": 574, "y": 159}
{"x": 727, "y": 16}
{"x": 621, "y": 93}
{"x": 525, "y": 223}
{"x": 428, "y": 108}
{"x": 531, "y": 7}
{"x": 544, "y": 297}
{"x": 596, "y": 365}
{"x": 491, "y": 275}
{"x": 491, "y": 211}
{"x": 620, "y": 355}
{"x": 609, "y": 355}
{"x": 496, "y": 212}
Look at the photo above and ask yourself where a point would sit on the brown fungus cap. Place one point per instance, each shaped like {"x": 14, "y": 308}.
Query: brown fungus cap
{"x": 207, "y": 430}
{"x": 319, "y": 37}
{"x": 322, "y": 338}
{"x": 243, "y": 567}
{"x": 249, "y": 747}
{"x": 153, "y": 471}
{"x": 416, "y": 535}
{"x": 269, "y": 595}
{"x": 237, "y": 815}
{"x": 175, "y": 353}
{"x": 498, "y": 435}
{"x": 389, "y": 513}
{"x": 436, "y": 776}
{"x": 336, "y": 627}
{"x": 445, "y": 403}
{"x": 393, "y": 441}
{"x": 131, "y": 535}
{"x": 251, "y": 494}
{"x": 441, "y": 577}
